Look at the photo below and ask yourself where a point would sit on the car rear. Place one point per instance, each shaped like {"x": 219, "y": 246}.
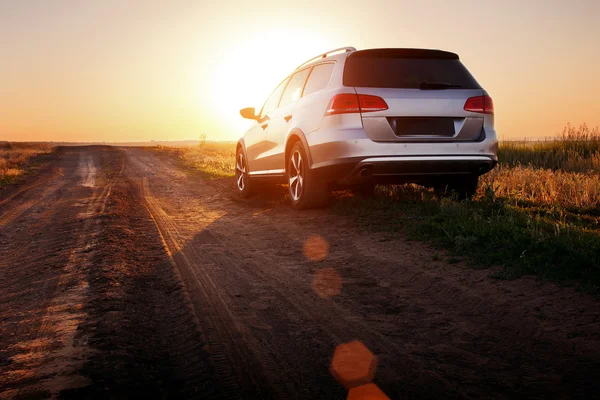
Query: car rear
{"x": 407, "y": 115}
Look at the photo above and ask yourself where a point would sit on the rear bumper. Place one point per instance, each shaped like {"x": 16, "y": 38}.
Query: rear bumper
{"x": 425, "y": 165}
{"x": 399, "y": 169}
{"x": 345, "y": 156}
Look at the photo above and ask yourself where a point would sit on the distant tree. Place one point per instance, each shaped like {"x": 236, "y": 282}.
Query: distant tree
{"x": 202, "y": 140}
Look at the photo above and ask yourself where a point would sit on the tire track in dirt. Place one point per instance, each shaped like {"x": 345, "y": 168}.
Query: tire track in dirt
{"x": 71, "y": 288}
{"x": 291, "y": 291}
{"x": 235, "y": 366}
{"x": 51, "y": 368}
{"x": 17, "y": 238}
{"x": 336, "y": 323}
{"x": 90, "y": 307}
{"x": 440, "y": 330}
{"x": 145, "y": 343}
{"x": 21, "y": 191}
{"x": 15, "y": 212}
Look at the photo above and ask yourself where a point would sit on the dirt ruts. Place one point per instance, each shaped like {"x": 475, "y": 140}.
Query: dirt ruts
{"x": 122, "y": 274}
{"x": 92, "y": 308}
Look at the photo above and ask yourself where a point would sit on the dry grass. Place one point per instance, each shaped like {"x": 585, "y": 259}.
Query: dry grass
{"x": 15, "y": 158}
{"x": 215, "y": 160}
{"x": 576, "y": 149}
{"x": 564, "y": 171}
{"x": 543, "y": 186}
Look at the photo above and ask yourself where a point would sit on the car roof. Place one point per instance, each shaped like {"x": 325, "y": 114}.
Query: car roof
{"x": 406, "y": 53}
{"x": 344, "y": 52}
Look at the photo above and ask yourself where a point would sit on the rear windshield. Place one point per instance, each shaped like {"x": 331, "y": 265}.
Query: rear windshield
{"x": 405, "y": 73}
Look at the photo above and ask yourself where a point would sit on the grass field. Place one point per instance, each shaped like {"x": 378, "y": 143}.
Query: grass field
{"x": 537, "y": 213}
{"x": 213, "y": 160}
{"x": 15, "y": 159}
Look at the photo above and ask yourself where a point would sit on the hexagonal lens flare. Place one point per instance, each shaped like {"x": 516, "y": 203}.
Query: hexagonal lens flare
{"x": 353, "y": 364}
{"x": 369, "y": 391}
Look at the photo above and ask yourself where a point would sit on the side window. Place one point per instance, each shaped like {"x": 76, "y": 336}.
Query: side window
{"x": 293, "y": 91}
{"x": 319, "y": 78}
{"x": 273, "y": 100}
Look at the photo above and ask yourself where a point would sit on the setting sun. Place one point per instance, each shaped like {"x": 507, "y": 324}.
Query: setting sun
{"x": 137, "y": 71}
{"x": 246, "y": 70}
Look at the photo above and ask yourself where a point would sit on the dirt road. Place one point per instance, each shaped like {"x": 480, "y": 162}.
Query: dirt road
{"x": 122, "y": 274}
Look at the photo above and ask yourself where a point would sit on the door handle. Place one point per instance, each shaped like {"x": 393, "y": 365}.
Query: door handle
{"x": 287, "y": 118}
{"x": 264, "y": 126}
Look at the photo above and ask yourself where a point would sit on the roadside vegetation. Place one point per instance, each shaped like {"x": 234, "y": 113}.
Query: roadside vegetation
{"x": 575, "y": 149}
{"x": 212, "y": 159}
{"x": 537, "y": 213}
{"x": 15, "y": 159}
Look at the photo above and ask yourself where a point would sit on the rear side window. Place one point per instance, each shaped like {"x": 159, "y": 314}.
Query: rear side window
{"x": 405, "y": 73}
{"x": 273, "y": 100}
{"x": 319, "y": 78}
{"x": 293, "y": 91}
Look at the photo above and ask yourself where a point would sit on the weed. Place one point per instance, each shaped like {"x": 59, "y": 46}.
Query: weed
{"x": 15, "y": 159}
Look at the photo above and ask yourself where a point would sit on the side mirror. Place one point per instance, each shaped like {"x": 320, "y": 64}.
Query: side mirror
{"x": 249, "y": 113}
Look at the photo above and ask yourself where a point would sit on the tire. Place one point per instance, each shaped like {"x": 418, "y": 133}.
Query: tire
{"x": 463, "y": 188}
{"x": 365, "y": 189}
{"x": 243, "y": 183}
{"x": 304, "y": 188}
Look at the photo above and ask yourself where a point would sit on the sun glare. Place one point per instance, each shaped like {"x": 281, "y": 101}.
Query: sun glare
{"x": 243, "y": 77}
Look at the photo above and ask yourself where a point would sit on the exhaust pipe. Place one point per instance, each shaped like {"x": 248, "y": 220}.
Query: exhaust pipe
{"x": 366, "y": 171}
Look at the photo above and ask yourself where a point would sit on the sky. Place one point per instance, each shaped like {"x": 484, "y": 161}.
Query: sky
{"x": 141, "y": 70}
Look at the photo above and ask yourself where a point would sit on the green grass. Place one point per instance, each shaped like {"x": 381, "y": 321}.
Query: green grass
{"x": 489, "y": 232}
{"x": 537, "y": 213}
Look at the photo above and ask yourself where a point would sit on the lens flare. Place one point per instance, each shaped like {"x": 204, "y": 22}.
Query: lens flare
{"x": 353, "y": 364}
{"x": 316, "y": 248}
{"x": 369, "y": 391}
{"x": 327, "y": 282}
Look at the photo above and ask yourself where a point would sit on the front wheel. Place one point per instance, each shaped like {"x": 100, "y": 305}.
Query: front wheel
{"x": 305, "y": 189}
{"x": 242, "y": 176}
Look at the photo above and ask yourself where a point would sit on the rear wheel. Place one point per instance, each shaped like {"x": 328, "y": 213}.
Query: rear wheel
{"x": 242, "y": 177}
{"x": 305, "y": 189}
{"x": 462, "y": 188}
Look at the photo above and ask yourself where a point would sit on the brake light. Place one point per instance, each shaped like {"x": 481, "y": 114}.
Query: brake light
{"x": 371, "y": 103}
{"x": 344, "y": 103}
{"x": 349, "y": 103}
{"x": 480, "y": 104}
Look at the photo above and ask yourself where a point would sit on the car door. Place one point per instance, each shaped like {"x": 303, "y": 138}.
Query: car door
{"x": 281, "y": 121}
{"x": 256, "y": 140}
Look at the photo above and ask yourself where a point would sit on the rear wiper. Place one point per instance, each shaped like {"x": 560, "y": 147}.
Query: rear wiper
{"x": 437, "y": 85}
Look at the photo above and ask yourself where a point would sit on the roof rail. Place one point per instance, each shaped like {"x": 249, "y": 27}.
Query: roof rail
{"x": 327, "y": 54}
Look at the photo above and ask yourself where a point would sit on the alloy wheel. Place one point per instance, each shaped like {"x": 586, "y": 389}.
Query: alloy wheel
{"x": 296, "y": 176}
{"x": 240, "y": 172}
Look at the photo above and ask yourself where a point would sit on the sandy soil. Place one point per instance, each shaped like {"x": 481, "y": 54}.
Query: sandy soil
{"x": 122, "y": 274}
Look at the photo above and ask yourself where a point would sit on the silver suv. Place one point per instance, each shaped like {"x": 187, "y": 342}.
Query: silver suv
{"x": 349, "y": 118}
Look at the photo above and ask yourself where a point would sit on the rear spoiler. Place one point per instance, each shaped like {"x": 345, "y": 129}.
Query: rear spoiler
{"x": 406, "y": 53}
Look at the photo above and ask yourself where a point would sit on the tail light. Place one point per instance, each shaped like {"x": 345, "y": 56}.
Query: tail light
{"x": 348, "y": 103}
{"x": 480, "y": 104}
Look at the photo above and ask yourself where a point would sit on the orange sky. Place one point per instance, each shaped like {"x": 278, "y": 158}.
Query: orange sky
{"x": 111, "y": 70}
